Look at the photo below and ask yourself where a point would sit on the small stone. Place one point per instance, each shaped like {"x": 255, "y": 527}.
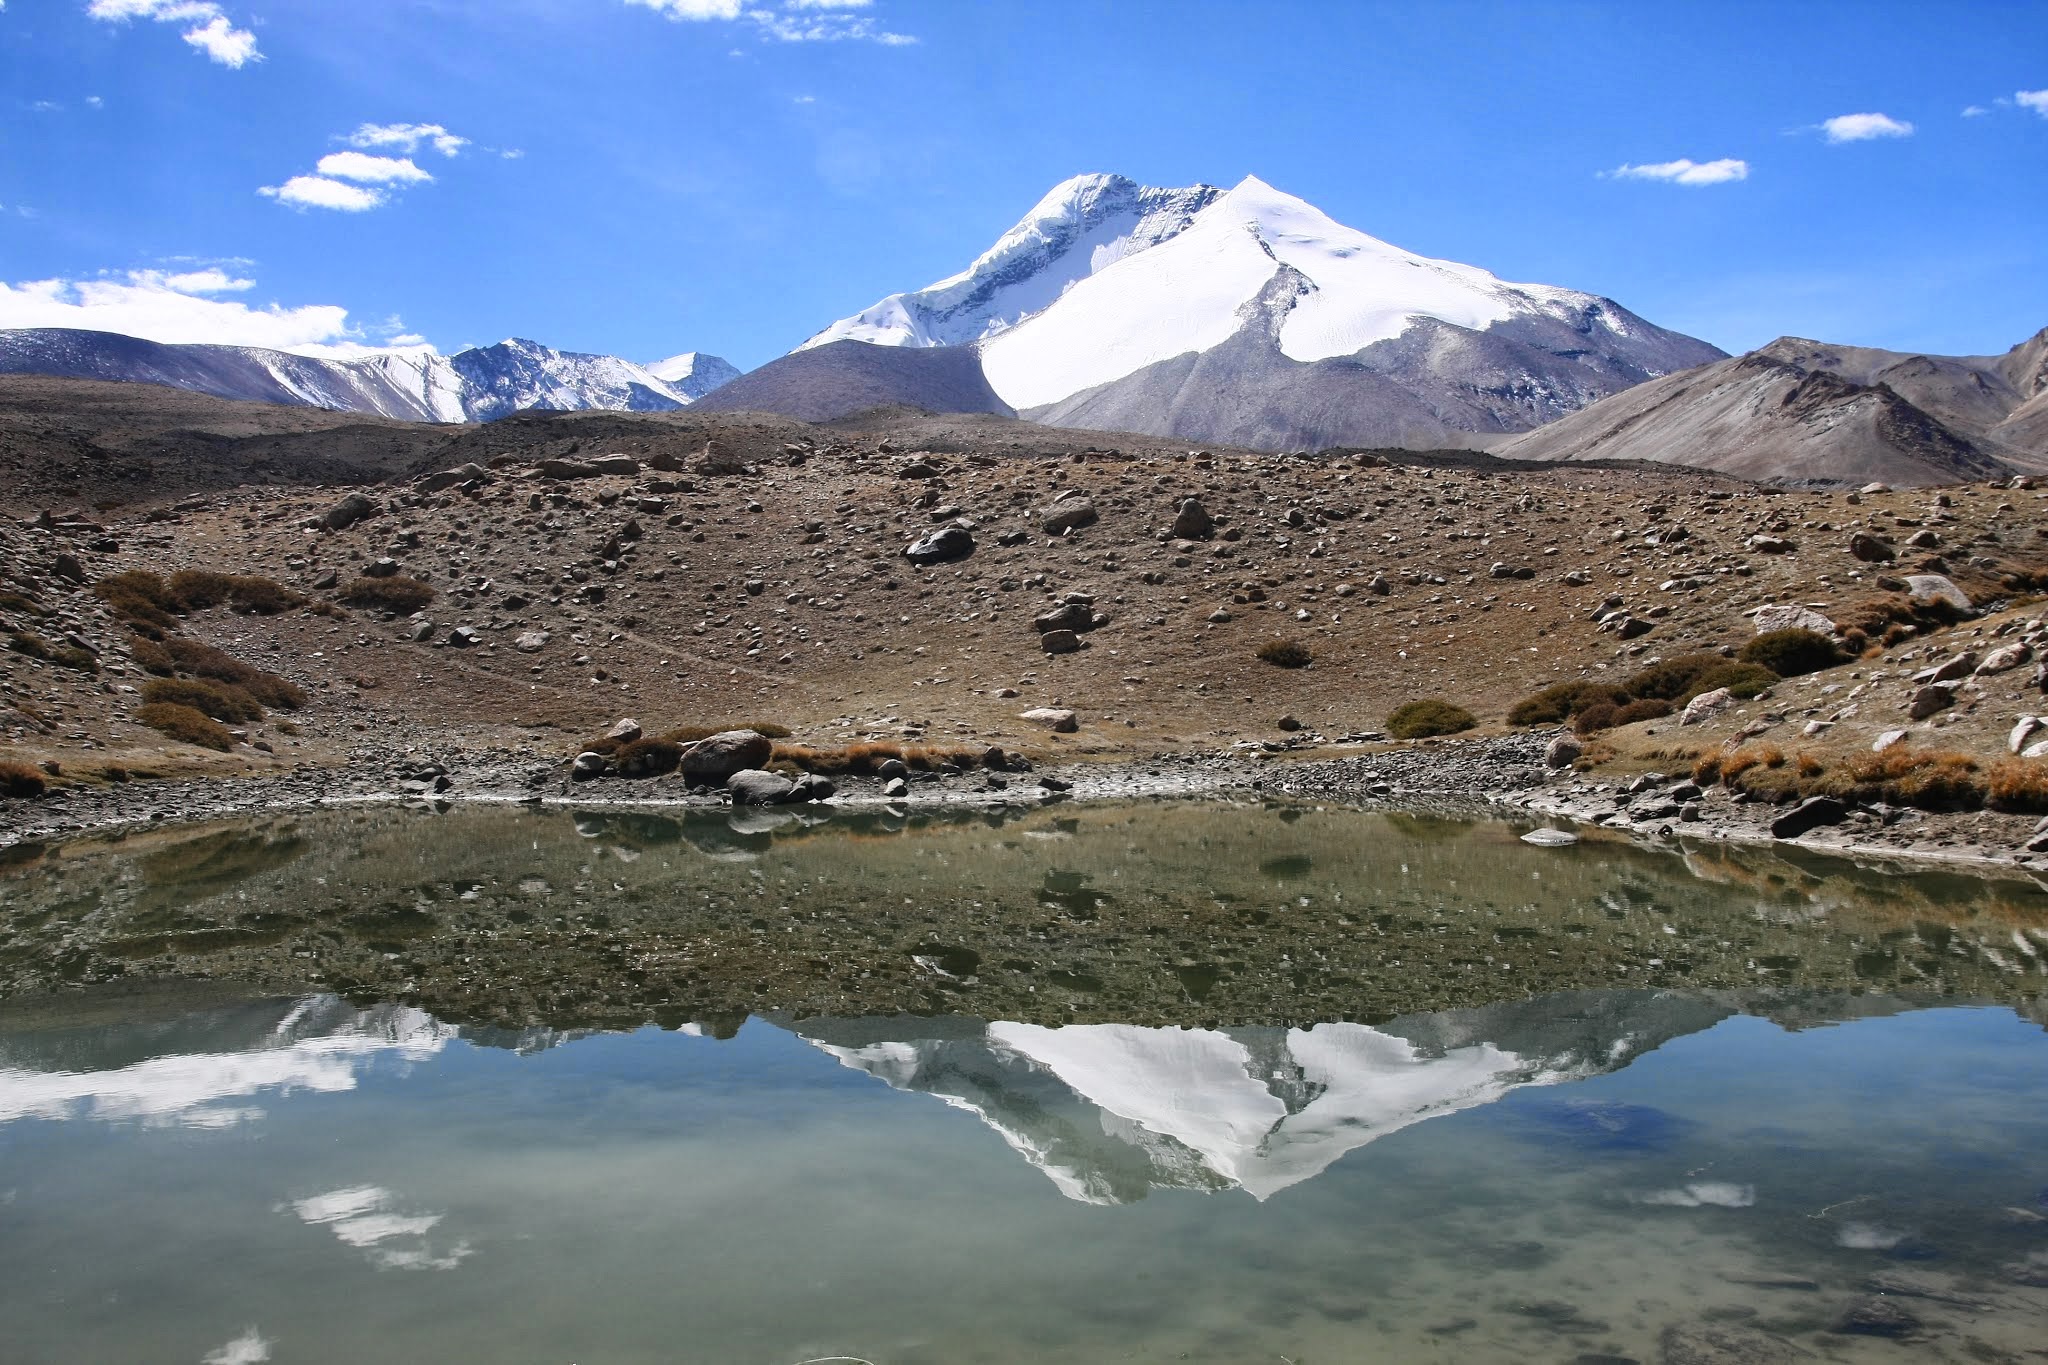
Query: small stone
{"x": 531, "y": 641}
{"x": 1058, "y": 719}
{"x": 624, "y": 731}
{"x": 1287, "y": 723}
{"x": 1059, "y": 642}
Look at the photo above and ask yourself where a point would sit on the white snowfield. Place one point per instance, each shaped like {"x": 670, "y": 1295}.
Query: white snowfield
{"x": 1210, "y": 1098}
{"x": 1075, "y": 296}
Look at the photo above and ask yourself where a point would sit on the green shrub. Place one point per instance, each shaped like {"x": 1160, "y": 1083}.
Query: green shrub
{"x": 217, "y": 700}
{"x": 400, "y": 594}
{"x": 1745, "y": 681}
{"x": 1285, "y": 653}
{"x": 1672, "y": 679}
{"x": 140, "y": 596}
{"x": 64, "y": 656}
{"x": 20, "y": 780}
{"x": 185, "y": 725}
{"x": 1606, "y": 715}
{"x": 1791, "y": 653}
{"x": 1430, "y": 716}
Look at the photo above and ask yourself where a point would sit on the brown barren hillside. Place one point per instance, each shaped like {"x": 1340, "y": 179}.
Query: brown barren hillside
{"x": 589, "y": 566}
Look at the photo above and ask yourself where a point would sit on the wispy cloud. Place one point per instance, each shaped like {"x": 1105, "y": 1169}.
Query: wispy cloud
{"x": 408, "y": 137}
{"x": 371, "y": 170}
{"x": 1864, "y": 127}
{"x": 2036, "y": 100}
{"x": 789, "y": 21}
{"x": 1685, "y": 171}
{"x": 358, "y": 181}
{"x": 207, "y": 26}
{"x": 321, "y": 192}
{"x": 1974, "y": 111}
{"x": 250, "y": 1348}
{"x": 177, "y": 306}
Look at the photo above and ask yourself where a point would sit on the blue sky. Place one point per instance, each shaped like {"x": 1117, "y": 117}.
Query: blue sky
{"x": 642, "y": 177}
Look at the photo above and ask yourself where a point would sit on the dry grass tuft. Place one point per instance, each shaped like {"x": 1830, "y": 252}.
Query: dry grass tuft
{"x": 20, "y": 780}
{"x": 400, "y": 595}
{"x": 1286, "y": 653}
{"x": 64, "y": 656}
{"x": 1428, "y": 717}
{"x": 863, "y": 758}
{"x": 216, "y": 700}
{"x": 185, "y": 725}
{"x": 2017, "y": 785}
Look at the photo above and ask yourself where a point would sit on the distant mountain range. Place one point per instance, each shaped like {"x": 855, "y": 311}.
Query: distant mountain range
{"x": 475, "y": 385}
{"x": 1801, "y": 411}
{"x": 1233, "y": 317}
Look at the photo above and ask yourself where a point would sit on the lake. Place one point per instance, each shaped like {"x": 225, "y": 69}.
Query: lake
{"x": 1203, "y": 1081}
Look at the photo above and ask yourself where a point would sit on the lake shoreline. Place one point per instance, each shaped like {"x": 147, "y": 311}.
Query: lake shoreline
{"x": 1501, "y": 777}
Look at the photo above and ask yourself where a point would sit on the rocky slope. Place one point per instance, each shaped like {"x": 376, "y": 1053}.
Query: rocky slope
{"x": 841, "y": 378}
{"x": 1248, "y": 317}
{"x": 1805, "y": 412}
{"x": 478, "y": 384}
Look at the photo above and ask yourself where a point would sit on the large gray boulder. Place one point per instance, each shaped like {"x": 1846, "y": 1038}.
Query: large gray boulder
{"x": 350, "y": 510}
{"x": 949, "y": 542}
{"x": 753, "y": 787}
{"x": 716, "y": 758}
{"x": 1926, "y": 589}
{"x": 1068, "y": 515}
{"x": 1193, "y": 521}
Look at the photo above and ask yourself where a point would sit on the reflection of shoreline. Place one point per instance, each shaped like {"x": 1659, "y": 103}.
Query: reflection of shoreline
{"x": 1110, "y": 1111}
{"x": 209, "y": 1060}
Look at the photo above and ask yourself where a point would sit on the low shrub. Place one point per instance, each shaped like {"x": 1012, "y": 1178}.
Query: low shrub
{"x": 863, "y": 758}
{"x": 216, "y": 700}
{"x": 202, "y": 660}
{"x": 1562, "y": 701}
{"x": 138, "y": 595}
{"x": 185, "y": 725}
{"x": 1595, "y": 718}
{"x": 22, "y": 606}
{"x": 1672, "y": 679}
{"x": 1285, "y": 653}
{"x": 646, "y": 757}
{"x": 399, "y": 594}
{"x": 2018, "y": 786}
{"x": 1745, "y": 681}
{"x": 690, "y": 734}
{"x": 1930, "y": 779}
{"x": 1792, "y": 653}
{"x": 1427, "y": 717}
{"x": 151, "y": 657}
{"x": 20, "y": 780}
{"x": 1606, "y": 715}
{"x": 1641, "y": 709}
{"x": 64, "y": 656}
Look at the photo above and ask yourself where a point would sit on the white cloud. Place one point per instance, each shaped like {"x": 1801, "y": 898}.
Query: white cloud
{"x": 788, "y": 21}
{"x": 211, "y": 280}
{"x": 408, "y": 137}
{"x": 250, "y": 1348}
{"x": 1864, "y": 127}
{"x": 2036, "y": 100}
{"x": 374, "y": 170}
{"x": 1974, "y": 111}
{"x": 318, "y": 192}
{"x": 1686, "y": 172}
{"x": 208, "y": 27}
{"x": 693, "y": 9}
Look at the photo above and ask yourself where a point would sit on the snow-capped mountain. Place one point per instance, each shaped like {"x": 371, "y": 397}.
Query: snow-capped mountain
{"x": 1111, "y": 1111}
{"x": 478, "y": 384}
{"x": 693, "y": 373}
{"x": 1249, "y": 315}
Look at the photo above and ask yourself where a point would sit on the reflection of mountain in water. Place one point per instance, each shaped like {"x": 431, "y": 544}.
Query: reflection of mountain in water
{"x": 1110, "y": 1111}
{"x": 201, "y": 1069}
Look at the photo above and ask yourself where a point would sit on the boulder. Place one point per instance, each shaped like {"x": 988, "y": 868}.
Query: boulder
{"x": 1070, "y": 514}
{"x": 1931, "y": 699}
{"x": 1058, "y": 719}
{"x": 1288, "y": 723}
{"x": 813, "y": 787}
{"x": 2021, "y": 733}
{"x": 464, "y": 637}
{"x": 753, "y": 787}
{"x": 1926, "y": 538}
{"x": 450, "y": 478}
{"x": 1550, "y": 838}
{"x": 1066, "y": 616}
{"x": 2006, "y": 658}
{"x": 624, "y": 731}
{"x": 615, "y": 464}
{"x": 717, "y": 757}
{"x": 531, "y": 641}
{"x": 1564, "y": 751}
{"x": 892, "y": 767}
{"x": 1193, "y": 521}
{"x": 895, "y": 788}
{"x": 1872, "y": 549}
{"x": 566, "y": 469}
{"x": 1950, "y": 669}
{"x": 1706, "y": 706}
{"x": 386, "y": 567}
{"x": 1059, "y": 642}
{"x": 589, "y": 764}
{"x": 1771, "y": 545}
{"x": 1809, "y": 814}
{"x": 1791, "y": 616}
{"x": 1888, "y": 739}
{"x": 1928, "y": 588}
{"x": 949, "y": 542}
{"x": 350, "y": 510}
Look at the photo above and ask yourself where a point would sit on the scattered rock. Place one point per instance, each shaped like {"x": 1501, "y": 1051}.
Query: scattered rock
{"x": 895, "y": 787}
{"x": 589, "y": 764}
{"x": 1058, "y": 719}
{"x": 948, "y": 542}
{"x": 1929, "y": 700}
{"x": 1564, "y": 751}
{"x": 1791, "y": 616}
{"x": 464, "y": 637}
{"x": 753, "y": 787}
{"x": 1706, "y": 706}
{"x": 450, "y": 478}
{"x": 1069, "y": 515}
{"x": 1926, "y": 589}
{"x": 1193, "y": 521}
{"x": 531, "y": 641}
{"x": 1809, "y": 814}
{"x": 1059, "y": 642}
{"x": 624, "y": 731}
{"x": 1872, "y": 549}
{"x": 350, "y": 510}
{"x": 1771, "y": 545}
{"x": 380, "y": 568}
{"x": 2005, "y": 658}
{"x": 1288, "y": 723}
{"x": 716, "y": 758}
{"x": 1550, "y": 838}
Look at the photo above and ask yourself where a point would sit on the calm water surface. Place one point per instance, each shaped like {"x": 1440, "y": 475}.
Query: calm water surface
{"x": 1158, "y": 1096}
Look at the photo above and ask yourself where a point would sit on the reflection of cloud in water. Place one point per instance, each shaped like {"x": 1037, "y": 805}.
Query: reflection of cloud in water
{"x": 250, "y": 1348}
{"x": 321, "y": 1045}
{"x": 1868, "y": 1237}
{"x": 1709, "y": 1194}
{"x": 365, "y": 1217}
